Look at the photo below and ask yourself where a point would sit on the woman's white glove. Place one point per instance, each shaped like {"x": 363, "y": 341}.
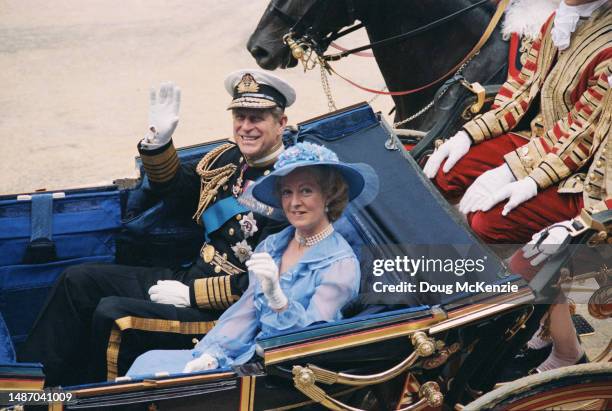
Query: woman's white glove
{"x": 547, "y": 242}
{"x": 163, "y": 116}
{"x": 170, "y": 292}
{"x": 517, "y": 192}
{"x": 202, "y": 363}
{"x": 265, "y": 270}
{"x": 483, "y": 188}
{"x": 453, "y": 149}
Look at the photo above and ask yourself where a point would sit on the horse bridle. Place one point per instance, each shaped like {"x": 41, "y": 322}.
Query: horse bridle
{"x": 308, "y": 40}
{"x": 309, "y": 36}
{"x": 306, "y": 26}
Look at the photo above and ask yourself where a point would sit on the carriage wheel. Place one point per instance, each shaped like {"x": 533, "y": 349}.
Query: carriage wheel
{"x": 585, "y": 386}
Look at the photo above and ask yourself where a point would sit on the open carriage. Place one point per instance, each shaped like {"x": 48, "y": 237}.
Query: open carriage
{"x": 411, "y": 351}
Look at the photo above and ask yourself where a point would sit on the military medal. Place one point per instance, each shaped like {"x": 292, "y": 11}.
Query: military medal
{"x": 237, "y": 188}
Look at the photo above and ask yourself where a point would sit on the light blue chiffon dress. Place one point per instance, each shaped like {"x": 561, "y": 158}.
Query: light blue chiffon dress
{"x": 325, "y": 278}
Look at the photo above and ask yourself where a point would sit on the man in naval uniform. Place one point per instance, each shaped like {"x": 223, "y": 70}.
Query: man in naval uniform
{"x": 101, "y": 317}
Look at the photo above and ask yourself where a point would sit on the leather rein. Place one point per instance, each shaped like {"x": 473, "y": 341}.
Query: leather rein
{"x": 308, "y": 41}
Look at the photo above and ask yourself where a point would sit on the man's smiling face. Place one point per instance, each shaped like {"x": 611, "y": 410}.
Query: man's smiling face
{"x": 257, "y": 131}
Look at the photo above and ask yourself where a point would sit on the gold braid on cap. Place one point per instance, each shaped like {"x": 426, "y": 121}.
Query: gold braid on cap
{"x": 212, "y": 180}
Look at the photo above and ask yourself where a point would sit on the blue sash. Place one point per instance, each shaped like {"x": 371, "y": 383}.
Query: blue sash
{"x": 221, "y": 211}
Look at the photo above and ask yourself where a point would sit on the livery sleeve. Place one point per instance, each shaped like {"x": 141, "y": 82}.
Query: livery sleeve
{"x": 597, "y": 192}
{"x": 570, "y": 143}
{"x": 513, "y": 99}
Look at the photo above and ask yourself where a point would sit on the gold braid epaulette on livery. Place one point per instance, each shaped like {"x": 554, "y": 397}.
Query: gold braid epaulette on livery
{"x": 212, "y": 180}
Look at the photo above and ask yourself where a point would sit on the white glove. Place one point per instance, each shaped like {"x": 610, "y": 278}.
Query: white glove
{"x": 484, "y": 187}
{"x": 163, "y": 116}
{"x": 202, "y": 363}
{"x": 264, "y": 268}
{"x": 547, "y": 242}
{"x": 170, "y": 292}
{"x": 518, "y": 192}
{"x": 453, "y": 149}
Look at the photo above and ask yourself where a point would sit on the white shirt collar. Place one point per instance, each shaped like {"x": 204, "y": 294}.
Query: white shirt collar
{"x": 566, "y": 20}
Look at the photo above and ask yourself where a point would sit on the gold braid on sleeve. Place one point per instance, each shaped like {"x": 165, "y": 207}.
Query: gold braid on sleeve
{"x": 212, "y": 179}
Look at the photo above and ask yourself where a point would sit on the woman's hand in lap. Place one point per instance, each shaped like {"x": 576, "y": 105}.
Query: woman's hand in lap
{"x": 202, "y": 363}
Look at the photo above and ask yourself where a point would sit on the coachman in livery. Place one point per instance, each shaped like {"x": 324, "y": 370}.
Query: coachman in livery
{"x": 543, "y": 147}
{"x": 99, "y": 318}
{"x": 539, "y": 138}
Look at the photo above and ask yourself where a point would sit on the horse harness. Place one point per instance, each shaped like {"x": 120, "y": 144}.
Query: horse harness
{"x": 307, "y": 42}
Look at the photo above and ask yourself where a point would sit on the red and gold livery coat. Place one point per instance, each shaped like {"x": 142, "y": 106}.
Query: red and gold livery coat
{"x": 569, "y": 92}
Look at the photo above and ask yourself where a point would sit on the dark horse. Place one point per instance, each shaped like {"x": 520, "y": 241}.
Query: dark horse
{"x": 406, "y": 64}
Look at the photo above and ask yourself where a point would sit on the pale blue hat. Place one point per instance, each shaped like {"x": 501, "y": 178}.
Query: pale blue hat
{"x": 360, "y": 178}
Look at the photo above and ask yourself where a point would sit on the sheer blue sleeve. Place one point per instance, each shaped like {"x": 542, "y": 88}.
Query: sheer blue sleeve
{"x": 232, "y": 338}
{"x": 331, "y": 288}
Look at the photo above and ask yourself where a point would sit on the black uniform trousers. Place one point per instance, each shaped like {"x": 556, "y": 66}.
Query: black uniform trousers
{"x": 99, "y": 318}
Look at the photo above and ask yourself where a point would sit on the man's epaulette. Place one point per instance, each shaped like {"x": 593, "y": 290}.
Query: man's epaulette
{"x": 211, "y": 179}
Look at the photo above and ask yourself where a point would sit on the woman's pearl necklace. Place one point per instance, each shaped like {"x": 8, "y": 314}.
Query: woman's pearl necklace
{"x": 312, "y": 240}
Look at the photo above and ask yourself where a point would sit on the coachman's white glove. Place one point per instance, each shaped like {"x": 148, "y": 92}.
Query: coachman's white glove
{"x": 170, "y": 292}
{"x": 452, "y": 150}
{"x": 484, "y": 187}
{"x": 547, "y": 242}
{"x": 265, "y": 270}
{"x": 163, "y": 116}
{"x": 517, "y": 192}
{"x": 202, "y": 363}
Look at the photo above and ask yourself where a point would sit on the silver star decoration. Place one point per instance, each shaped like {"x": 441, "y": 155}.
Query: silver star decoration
{"x": 248, "y": 225}
{"x": 242, "y": 250}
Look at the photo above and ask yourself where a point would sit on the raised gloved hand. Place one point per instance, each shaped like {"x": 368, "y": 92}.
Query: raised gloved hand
{"x": 484, "y": 187}
{"x": 547, "y": 242}
{"x": 170, "y": 292}
{"x": 452, "y": 150}
{"x": 202, "y": 363}
{"x": 518, "y": 192}
{"x": 265, "y": 270}
{"x": 163, "y": 116}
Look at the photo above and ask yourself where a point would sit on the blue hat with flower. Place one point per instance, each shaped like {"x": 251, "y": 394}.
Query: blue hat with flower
{"x": 361, "y": 179}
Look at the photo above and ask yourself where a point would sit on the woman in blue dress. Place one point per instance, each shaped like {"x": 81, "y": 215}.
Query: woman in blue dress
{"x": 300, "y": 276}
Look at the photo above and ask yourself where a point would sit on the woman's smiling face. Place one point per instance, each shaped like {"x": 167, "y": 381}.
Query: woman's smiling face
{"x": 303, "y": 202}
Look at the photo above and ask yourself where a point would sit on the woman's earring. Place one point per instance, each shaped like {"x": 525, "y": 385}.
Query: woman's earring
{"x": 326, "y": 208}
